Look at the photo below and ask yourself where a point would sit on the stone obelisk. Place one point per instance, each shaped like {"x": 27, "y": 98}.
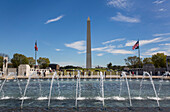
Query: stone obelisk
{"x": 88, "y": 50}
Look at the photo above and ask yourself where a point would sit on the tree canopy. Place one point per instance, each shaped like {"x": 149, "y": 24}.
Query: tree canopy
{"x": 109, "y": 65}
{"x": 147, "y": 61}
{"x": 19, "y": 59}
{"x": 31, "y": 61}
{"x": 43, "y": 62}
{"x": 1, "y": 61}
{"x": 133, "y": 62}
{"x": 159, "y": 60}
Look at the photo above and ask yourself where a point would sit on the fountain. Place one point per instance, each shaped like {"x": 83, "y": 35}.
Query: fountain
{"x": 78, "y": 89}
{"x": 94, "y": 92}
{"x": 152, "y": 86}
{"x": 130, "y": 76}
{"x": 59, "y": 92}
{"x": 116, "y": 75}
{"x": 11, "y": 73}
{"x": 29, "y": 78}
{"x": 102, "y": 88}
{"x": 160, "y": 84}
{"x": 67, "y": 75}
{"x": 123, "y": 74}
{"x": 110, "y": 76}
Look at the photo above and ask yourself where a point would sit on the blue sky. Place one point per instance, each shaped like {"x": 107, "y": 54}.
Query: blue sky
{"x": 59, "y": 26}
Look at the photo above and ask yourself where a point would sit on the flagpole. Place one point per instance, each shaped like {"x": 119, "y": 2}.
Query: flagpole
{"x": 139, "y": 54}
{"x": 36, "y": 57}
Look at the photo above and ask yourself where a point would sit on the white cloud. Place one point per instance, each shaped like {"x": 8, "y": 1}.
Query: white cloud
{"x": 143, "y": 42}
{"x": 152, "y": 53}
{"x": 110, "y": 41}
{"x": 122, "y": 18}
{"x": 161, "y": 34}
{"x": 58, "y": 49}
{"x": 162, "y": 10}
{"x": 159, "y": 1}
{"x": 99, "y": 49}
{"x": 118, "y": 3}
{"x": 153, "y": 49}
{"x": 119, "y": 51}
{"x": 100, "y": 54}
{"x": 55, "y": 19}
{"x": 166, "y": 44}
{"x": 81, "y": 52}
{"x": 79, "y": 45}
{"x": 120, "y": 46}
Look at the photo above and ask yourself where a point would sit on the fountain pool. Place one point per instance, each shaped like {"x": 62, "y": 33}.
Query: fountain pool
{"x": 89, "y": 93}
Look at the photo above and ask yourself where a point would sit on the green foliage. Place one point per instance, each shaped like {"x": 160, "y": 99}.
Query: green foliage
{"x": 133, "y": 62}
{"x": 19, "y": 59}
{"x": 31, "y": 61}
{"x": 159, "y": 60}
{"x": 114, "y": 67}
{"x": 43, "y": 62}
{"x": 147, "y": 61}
{"x": 1, "y": 61}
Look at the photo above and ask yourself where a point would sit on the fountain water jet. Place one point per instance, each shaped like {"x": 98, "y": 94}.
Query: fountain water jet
{"x": 102, "y": 88}
{"x": 78, "y": 89}
{"x": 123, "y": 74}
{"x": 160, "y": 84}
{"x": 152, "y": 86}
{"x": 11, "y": 73}
{"x": 59, "y": 92}
{"x": 27, "y": 87}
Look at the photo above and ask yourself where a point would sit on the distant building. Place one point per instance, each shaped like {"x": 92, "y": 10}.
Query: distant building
{"x": 149, "y": 68}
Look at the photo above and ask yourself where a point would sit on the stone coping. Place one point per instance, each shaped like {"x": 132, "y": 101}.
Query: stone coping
{"x": 88, "y": 77}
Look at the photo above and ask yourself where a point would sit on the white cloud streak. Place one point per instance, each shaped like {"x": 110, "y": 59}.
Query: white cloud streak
{"x": 118, "y": 3}
{"x": 58, "y": 49}
{"x": 122, "y": 18}
{"x": 159, "y": 1}
{"x": 79, "y": 45}
{"x": 166, "y": 44}
{"x": 162, "y": 10}
{"x": 55, "y": 19}
{"x": 119, "y": 51}
{"x": 161, "y": 34}
{"x": 143, "y": 42}
{"x": 115, "y": 40}
{"x": 100, "y": 54}
{"x": 153, "y": 49}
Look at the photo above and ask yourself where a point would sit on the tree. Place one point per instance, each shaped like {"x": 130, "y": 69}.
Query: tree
{"x": 133, "y": 62}
{"x": 147, "y": 61}
{"x": 1, "y": 61}
{"x": 43, "y": 62}
{"x": 31, "y": 61}
{"x": 159, "y": 60}
{"x": 109, "y": 65}
{"x": 19, "y": 59}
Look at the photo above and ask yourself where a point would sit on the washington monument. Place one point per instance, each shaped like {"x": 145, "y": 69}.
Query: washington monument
{"x": 88, "y": 50}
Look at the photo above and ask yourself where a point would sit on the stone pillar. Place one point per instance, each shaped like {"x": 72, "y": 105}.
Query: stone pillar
{"x": 5, "y": 65}
{"x": 24, "y": 70}
{"x": 88, "y": 50}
